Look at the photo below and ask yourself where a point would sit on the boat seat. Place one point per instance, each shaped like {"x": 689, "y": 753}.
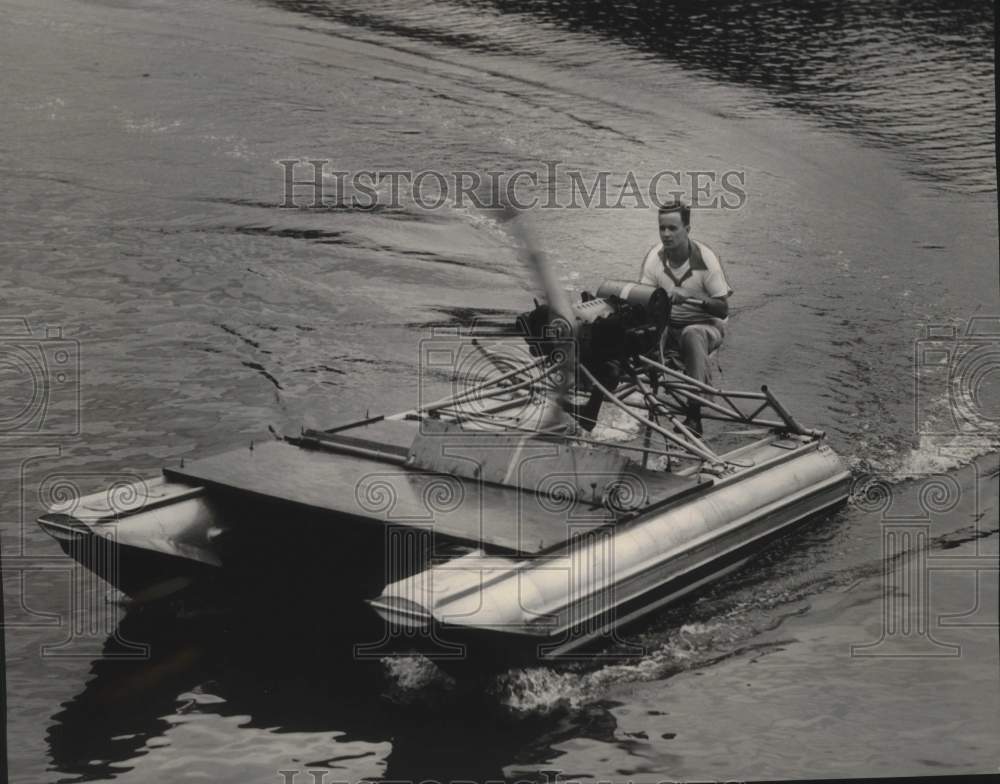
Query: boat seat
{"x": 672, "y": 359}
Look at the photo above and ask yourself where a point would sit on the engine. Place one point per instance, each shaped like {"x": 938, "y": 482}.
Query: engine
{"x": 624, "y": 319}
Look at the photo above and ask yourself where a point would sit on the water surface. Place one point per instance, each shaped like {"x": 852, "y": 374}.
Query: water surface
{"x": 143, "y": 217}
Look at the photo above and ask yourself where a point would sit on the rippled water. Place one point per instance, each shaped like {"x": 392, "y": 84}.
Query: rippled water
{"x": 897, "y": 74}
{"x": 143, "y": 217}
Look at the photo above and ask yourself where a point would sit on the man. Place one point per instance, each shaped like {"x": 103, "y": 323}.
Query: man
{"x": 692, "y": 276}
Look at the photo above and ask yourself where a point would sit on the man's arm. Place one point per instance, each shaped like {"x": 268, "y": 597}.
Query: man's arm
{"x": 713, "y": 306}
{"x": 716, "y": 306}
{"x": 716, "y": 286}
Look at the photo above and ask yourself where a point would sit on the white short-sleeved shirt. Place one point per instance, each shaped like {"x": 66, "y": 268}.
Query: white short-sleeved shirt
{"x": 695, "y": 280}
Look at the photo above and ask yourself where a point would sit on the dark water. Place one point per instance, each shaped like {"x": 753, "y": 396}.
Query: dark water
{"x": 143, "y": 217}
{"x": 896, "y": 74}
{"x": 902, "y": 76}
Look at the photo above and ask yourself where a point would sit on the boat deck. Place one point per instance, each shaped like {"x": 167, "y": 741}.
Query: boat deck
{"x": 384, "y": 492}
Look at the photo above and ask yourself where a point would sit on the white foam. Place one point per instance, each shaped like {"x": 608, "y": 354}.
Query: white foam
{"x": 953, "y": 427}
{"x": 412, "y": 673}
{"x": 541, "y": 690}
{"x": 936, "y": 454}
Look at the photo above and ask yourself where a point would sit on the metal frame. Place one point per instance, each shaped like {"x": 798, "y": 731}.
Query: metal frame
{"x": 653, "y": 394}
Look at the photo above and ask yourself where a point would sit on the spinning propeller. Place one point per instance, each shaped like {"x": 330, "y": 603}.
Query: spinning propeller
{"x": 559, "y": 325}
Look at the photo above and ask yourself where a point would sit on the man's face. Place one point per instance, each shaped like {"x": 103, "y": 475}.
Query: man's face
{"x": 672, "y": 231}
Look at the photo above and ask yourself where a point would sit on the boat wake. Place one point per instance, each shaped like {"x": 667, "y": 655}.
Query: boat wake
{"x": 953, "y": 426}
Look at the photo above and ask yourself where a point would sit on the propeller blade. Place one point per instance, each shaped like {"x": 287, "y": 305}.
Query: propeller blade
{"x": 561, "y": 316}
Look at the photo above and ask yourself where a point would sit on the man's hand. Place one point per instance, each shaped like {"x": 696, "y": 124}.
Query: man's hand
{"x": 716, "y": 306}
{"x": 677, "y": 297}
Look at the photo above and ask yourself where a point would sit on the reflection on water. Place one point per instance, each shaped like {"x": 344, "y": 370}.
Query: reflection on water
{"x": 243, "y": 693}
{"x": 239, "y": 696}
{"x": 242, "y": 700}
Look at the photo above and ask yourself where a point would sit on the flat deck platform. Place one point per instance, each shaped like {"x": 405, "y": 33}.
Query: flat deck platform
{"x": 360, "y": 488}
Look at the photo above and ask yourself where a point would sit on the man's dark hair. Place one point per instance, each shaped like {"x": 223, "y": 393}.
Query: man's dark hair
{"x": 676, "y": 205}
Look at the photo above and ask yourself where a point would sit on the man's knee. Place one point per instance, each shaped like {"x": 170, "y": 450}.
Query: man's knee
{"x": 703, "y": 338}
{"x": 694, "y": 339}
